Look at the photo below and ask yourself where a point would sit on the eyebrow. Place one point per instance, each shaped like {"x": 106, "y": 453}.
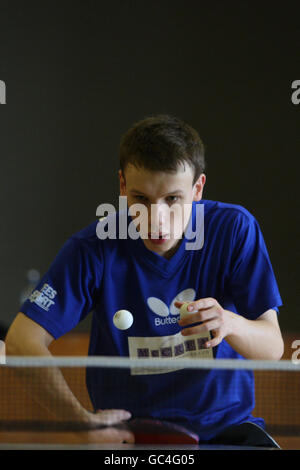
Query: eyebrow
{"x": 177, "y": 191}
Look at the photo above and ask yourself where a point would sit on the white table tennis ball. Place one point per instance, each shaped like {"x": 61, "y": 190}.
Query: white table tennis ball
{"x": 184, "y": 311}
{"x": 123, "y": 319}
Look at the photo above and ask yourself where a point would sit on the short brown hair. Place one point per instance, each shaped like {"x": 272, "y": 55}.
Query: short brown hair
{"x": 162, "y": 143}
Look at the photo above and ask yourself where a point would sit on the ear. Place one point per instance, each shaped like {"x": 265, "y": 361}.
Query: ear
{"x": 122, "y": 184}
{"x": 198, "y": 187}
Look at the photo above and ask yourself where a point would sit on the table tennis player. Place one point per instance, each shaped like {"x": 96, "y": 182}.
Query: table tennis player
{"x": 228, "y": 280}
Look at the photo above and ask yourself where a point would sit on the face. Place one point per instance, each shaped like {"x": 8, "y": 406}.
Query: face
{"x": 167, "y": 199}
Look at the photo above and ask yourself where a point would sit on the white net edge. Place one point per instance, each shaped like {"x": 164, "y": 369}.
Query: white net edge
{"x": 126, "y": 362}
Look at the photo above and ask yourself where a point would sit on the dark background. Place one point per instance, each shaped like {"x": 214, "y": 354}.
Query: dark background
{"x": 79, "y": 73}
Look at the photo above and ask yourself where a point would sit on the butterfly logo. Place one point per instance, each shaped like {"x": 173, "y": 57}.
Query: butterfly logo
{"x": 169, "y": 315}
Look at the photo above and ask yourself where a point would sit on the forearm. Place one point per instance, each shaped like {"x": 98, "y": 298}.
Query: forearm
{"x": 255, "y": 339}
{"x": 48, "y": 386}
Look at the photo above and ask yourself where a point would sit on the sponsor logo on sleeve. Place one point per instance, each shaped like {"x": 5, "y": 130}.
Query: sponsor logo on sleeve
{"x": 44, "y": 297}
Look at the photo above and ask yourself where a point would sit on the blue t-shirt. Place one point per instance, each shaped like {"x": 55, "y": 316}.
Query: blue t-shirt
{"x": 231, "y": 265}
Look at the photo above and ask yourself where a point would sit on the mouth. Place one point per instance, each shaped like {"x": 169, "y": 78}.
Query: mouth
{"x": 158, "y": 239}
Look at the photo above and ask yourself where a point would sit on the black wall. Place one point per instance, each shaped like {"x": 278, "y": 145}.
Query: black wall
{"x": 79, "y": 73}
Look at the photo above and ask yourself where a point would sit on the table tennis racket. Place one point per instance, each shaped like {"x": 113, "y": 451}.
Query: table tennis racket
{"x": 153, "y": 431}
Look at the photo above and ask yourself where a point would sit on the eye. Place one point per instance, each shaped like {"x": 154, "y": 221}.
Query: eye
{"x": 140, "y": 198}
{"x": 172, "y": 199}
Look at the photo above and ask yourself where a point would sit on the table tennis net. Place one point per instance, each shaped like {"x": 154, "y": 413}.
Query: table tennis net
{"x": 28, "y": 401}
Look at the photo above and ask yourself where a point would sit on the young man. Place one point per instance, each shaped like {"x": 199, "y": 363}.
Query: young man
{"x": 228, "y": 279}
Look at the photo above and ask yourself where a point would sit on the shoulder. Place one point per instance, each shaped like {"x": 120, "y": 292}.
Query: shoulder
{"x": 99, "y": 237}
{"x": 227, "y": 214}
{"x": 87, "y": 233}
{"x": 83, "y": 243}
{"x": 231, "y": 225}
{"x": 224, "y": 208}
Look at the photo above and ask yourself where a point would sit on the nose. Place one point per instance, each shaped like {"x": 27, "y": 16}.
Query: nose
{"x": 158, "y": 218}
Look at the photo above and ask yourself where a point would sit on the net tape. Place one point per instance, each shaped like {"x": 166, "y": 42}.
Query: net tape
{"x": 126, "y": 362}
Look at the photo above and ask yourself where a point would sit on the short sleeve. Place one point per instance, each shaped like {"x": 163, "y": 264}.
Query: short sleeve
{"x": 68, "y": 291}
{"x": 251, "y": 277}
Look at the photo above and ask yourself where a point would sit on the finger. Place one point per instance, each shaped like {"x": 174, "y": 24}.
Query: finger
{"x": 215, "y": 341}
{"x": 200, "y": 304}
{"x": 207, "y": 326}
{"x": 197, "y": 317}
{"x": 109, "y": 417}
{"x": 179, "y": 304}
{"x": 114, "y": 414}
{"x": 197, "y": 305}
